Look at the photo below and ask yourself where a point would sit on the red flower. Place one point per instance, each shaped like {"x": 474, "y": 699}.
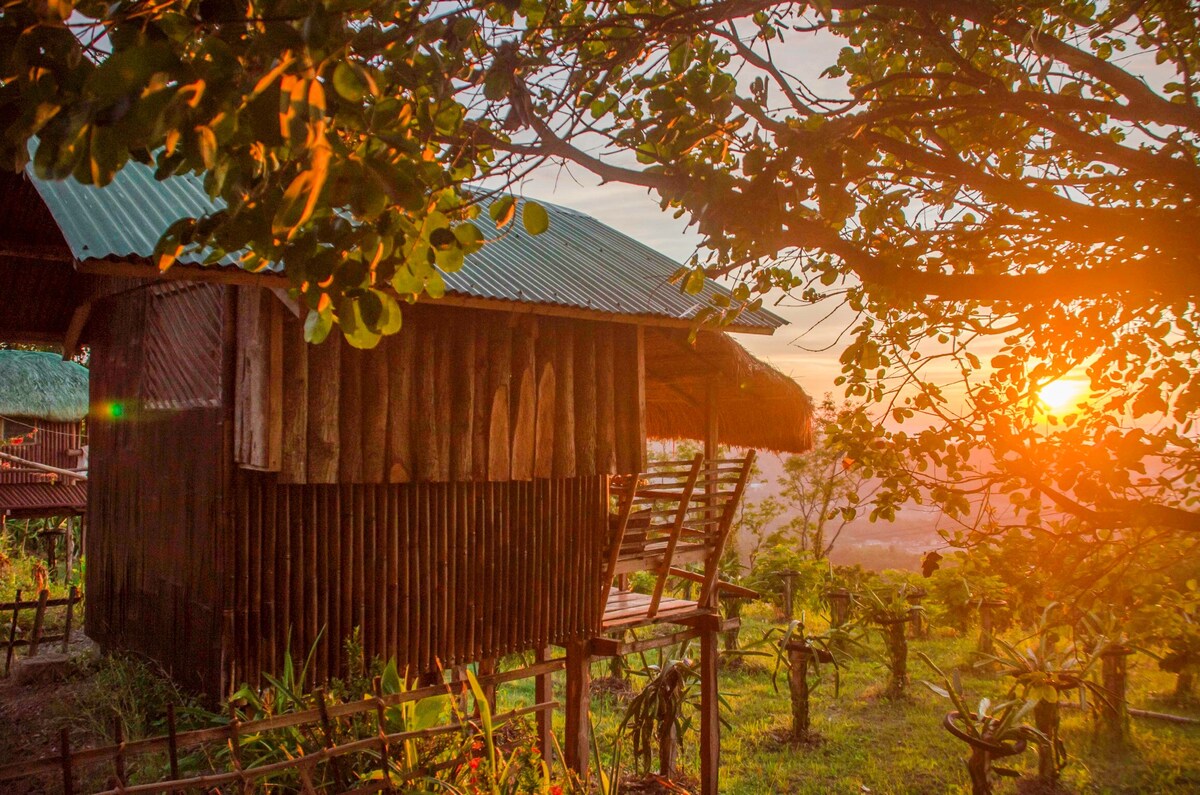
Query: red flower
{"x": 556, "y": 790}
{"x": 475, "y": 763}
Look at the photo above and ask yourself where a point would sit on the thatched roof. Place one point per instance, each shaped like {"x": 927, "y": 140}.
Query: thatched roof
{"x": 42, "y": 385}
{"x": 757, "y": 406}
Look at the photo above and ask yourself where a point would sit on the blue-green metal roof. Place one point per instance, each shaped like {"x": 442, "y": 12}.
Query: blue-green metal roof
{"x": 579, "y": 262}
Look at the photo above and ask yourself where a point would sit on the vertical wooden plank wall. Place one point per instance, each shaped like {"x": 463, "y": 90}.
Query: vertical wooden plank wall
{"x": 153, "y": 578}
{"x": 458, "y": 395}
{"x": 432, "y": 573}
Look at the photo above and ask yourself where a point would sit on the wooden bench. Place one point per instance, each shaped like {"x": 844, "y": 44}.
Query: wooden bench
{"x": 673, "y": 514}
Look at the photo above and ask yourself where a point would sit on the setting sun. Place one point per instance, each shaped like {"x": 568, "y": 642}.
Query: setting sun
{"x": 1062, "y": 394}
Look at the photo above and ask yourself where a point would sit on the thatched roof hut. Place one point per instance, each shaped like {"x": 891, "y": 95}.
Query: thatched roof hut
{"x": 42, "y": 385}
{"x": 43, "y": 400}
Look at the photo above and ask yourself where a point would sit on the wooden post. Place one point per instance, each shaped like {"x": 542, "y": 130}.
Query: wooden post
{"x": 172, "y": 744}
{"x": 710, "y": 719}
{"x": 544, "y": 692}
{"x": 798, "y": 656}
{"x": 12, "y": 632}
{"x": 1114, "y": 712}
{"x": 69, "y": 548}
{"x": 39, "y": 619}
{"x": 839, "y": 613}
{"x": 577, "y": 746}
{"x": 789, "y": 586}
{"x": 72, "y": 598}
{"x": 987, "y": 643}
{"x": 916, "y": 624}
{"x": 1046, "y": 718}
{"x": 64, "y": 750}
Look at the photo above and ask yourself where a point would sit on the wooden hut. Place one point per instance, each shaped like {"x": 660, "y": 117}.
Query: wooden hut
{"x": 447, "y": 493}
{"x": 43, "y": 401}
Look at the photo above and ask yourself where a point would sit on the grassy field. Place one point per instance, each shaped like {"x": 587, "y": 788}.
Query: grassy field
{"x": 869, "y": 743}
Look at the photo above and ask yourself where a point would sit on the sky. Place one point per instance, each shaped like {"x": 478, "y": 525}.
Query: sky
{"x": 635, "y": 212}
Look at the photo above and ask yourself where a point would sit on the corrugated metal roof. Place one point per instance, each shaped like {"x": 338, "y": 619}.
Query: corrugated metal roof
{"x": 578, "y": 262}
{"x": 38, "y": 499}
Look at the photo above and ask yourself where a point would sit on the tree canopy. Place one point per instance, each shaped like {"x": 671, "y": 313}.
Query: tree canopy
{"x": 1000, "y": 194}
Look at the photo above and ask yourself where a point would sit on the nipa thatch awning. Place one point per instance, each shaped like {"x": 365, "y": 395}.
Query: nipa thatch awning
{"x": 757, "y": 406}
{"x": 35, "y": 384}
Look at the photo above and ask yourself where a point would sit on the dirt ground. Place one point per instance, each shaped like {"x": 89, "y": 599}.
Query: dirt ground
{"x": 34, "y": 713}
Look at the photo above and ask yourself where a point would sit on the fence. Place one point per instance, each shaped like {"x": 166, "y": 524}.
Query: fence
{"x": 321, "y": 721}
{"x": 35, "y": 639}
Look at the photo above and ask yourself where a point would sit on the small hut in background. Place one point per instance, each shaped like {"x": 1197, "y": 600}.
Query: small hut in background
{"x": 43, "y": 401}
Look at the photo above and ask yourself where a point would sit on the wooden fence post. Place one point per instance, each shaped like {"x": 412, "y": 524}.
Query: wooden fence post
{"x": 918, "y": 628}
{"x": 789, "y": 589}
{"x": 72, "y": 598}
{"x": 64, "y": 748}
{"x": 1114, "y": 712}
{"x": 987, "y": 643}
{"x": 12, "y": 632}
{"x": 172, "y": 747}
{"x": 119, "y": 756}
{"x": 38, "y": 619}
{"x": 839, "y": 614}
{"x": 798, "y": 655}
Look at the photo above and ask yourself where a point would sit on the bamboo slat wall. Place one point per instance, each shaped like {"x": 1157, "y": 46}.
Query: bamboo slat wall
{"x": 155, "y": 486}
{"x": 429, "y": 572}
{"x": 458, "y": 395}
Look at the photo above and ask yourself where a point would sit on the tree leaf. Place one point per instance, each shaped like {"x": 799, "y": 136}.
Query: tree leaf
{"x": 535, "y": 218}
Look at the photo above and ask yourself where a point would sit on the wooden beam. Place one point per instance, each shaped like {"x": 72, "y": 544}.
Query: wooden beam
{"x": 577, "y": 743}
{"x": 639, "y": 338}
{"x": 586, "y": 399}
{"x": 350, "y": 418}
{"x": 462, "y": 402}
{"x": 499, "y": 390}
{"x": 606, "y": 429}
{"x": 79, "y": 319}
{"x": 564, "y": 411}
{"x": 324, "y": 370}
{"x": 375, "y": 409}
{"x": 401, "y": 353}
{"x": 294, "y": 458}
{"x": 234, "y": 275}
{"x": 524, "y": 409}
{"x": 710, "y": 718}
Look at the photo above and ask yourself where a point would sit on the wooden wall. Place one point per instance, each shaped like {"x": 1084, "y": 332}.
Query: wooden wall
{"x": 153, "y": 579}
{"x": 429, "y": 572}
{"x": 458, "y": 395}
{"x": 445, "y": 493}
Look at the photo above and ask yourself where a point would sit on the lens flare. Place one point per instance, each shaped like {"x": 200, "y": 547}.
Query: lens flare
{"x": 1059, "y": 395}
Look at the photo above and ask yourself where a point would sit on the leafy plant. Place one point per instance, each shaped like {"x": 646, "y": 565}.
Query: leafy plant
{"x": 992, "y": 730}
{"x": 1042, "y": 669}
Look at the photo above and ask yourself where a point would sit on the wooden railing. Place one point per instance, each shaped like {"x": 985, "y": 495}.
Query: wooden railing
{"x": 36, "y": 636}
{"x": 69, "y": 763}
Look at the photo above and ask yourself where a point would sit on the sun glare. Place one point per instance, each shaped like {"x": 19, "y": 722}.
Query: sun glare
{"x": 1059, "y": 395}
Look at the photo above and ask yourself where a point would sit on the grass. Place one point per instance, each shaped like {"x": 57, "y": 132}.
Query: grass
{"x": 869, "y": 743}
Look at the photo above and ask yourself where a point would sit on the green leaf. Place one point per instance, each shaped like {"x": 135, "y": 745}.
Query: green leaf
{"x": 435, "y": 285}
{"x": 503, "y": 210}
{"x": 535, "y": 218}
{"x": 348, "y": 83}
{"x": 317, "y": 326}
{"x": 428, "y": 712}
